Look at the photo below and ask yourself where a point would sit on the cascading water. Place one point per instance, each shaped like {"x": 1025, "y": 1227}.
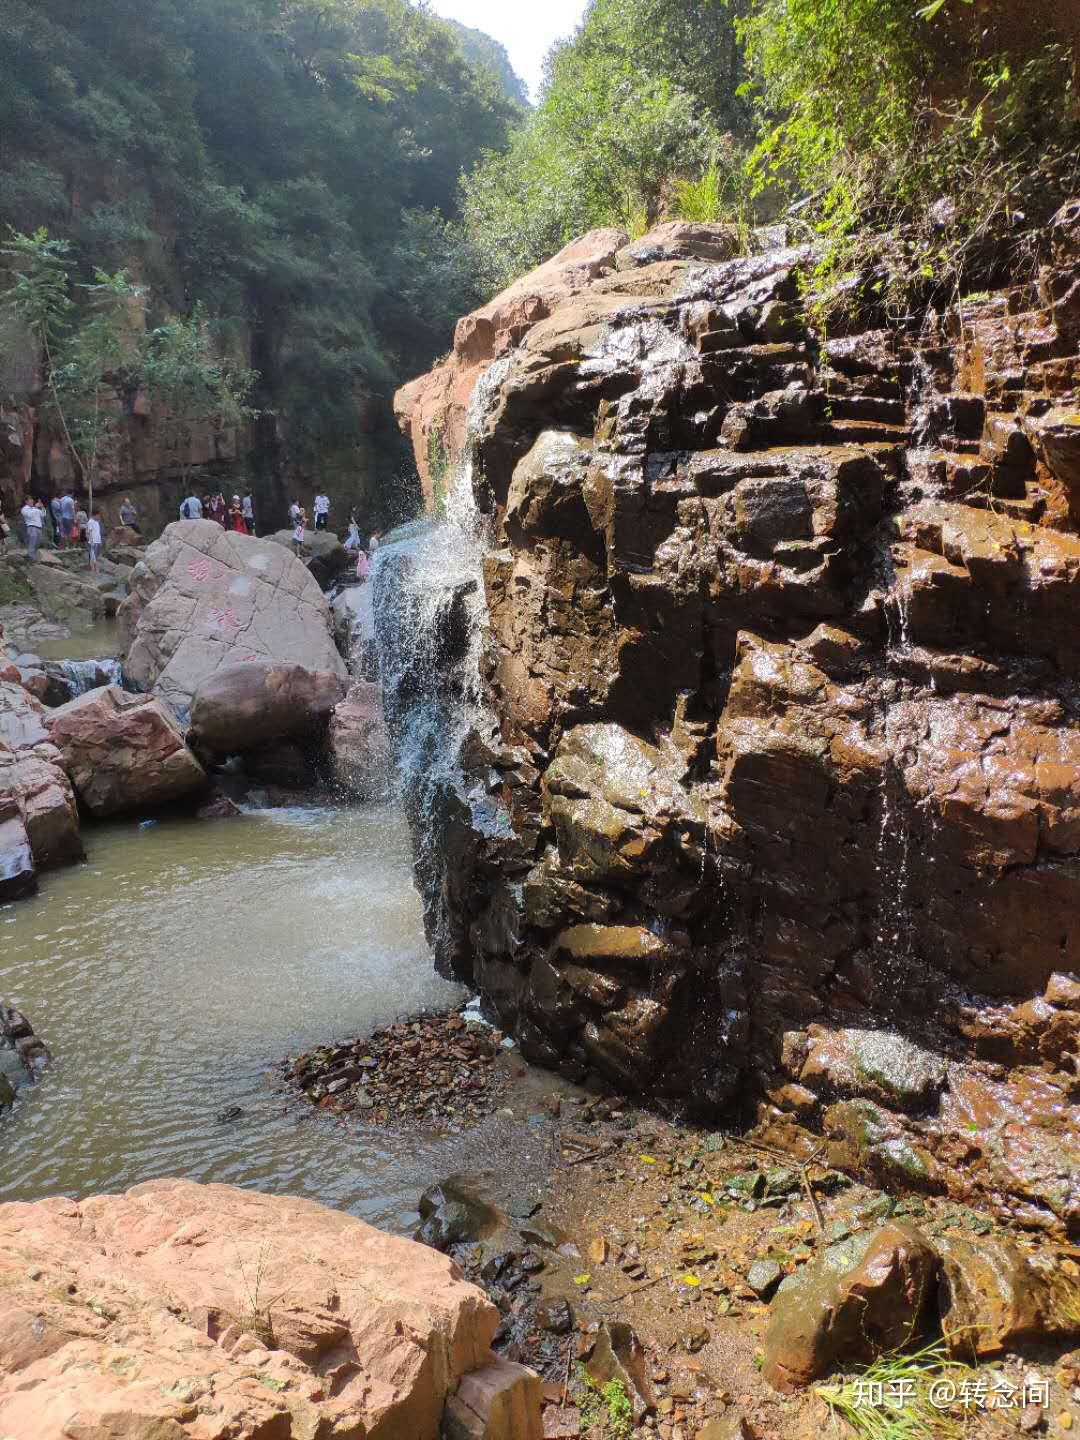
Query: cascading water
{"x": 81, "y": 676}
{"x": 430, "y": 616}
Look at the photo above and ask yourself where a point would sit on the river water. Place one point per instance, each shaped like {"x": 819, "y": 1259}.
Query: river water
{"x": 170, "y": 973}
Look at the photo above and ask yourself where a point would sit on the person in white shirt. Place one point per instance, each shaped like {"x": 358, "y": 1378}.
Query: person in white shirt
{"x": 249, "y": 513}
{"x": 191, "y": 509}
{"x": 322, "y": 511}
{"x": 294, "y": 512}
{"x": 93, "y": 540}
{"x": 32, "y": 518}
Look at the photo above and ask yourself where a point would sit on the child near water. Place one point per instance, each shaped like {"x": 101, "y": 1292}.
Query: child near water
{"x": 298, "y": 533}
{"x": 93, "y": 540}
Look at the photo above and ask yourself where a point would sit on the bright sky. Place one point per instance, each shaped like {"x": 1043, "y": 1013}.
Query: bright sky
{"x": 528, "y": 28}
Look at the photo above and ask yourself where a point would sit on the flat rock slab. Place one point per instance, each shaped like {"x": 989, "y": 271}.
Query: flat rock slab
{"x": 183, "y": 1310}
{"x": 204, "y": 598}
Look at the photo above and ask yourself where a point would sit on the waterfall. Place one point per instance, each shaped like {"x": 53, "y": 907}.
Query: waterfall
{"x": 83, "y": 675}
{"x": 430, "y": 617}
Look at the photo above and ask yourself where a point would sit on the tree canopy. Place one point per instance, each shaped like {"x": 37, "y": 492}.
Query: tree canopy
{"x": 283, "y": 162}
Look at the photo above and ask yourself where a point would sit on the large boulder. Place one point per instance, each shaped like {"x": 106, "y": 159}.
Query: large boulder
{"x": 205, "y": 598}
{"x": 124, "y": 752}
{"x": 182, "y": 1310}
{"x": 326, "y": 556}
{"x": 777, "y": 689}
{"x": 243, "y": 707}
{"x": 358, "y": 744}
{"x": 36, "y": 798}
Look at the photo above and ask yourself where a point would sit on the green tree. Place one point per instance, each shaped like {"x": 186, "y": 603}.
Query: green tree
{"x": 645, "y": 95}
{"x": 80, "y": 355}
{"x": 178, "y": 366}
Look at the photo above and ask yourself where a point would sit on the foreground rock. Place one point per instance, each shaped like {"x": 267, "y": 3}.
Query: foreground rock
{"x": 863, "y": 1297}
{"x": 243, "y": 707}
{"x": 185, "y": 1310}
{"x": 123, "y": 752}
{"x": 39, "y": 819}
{"x": 204, "y": 598}
{"x": 773, "y": 792}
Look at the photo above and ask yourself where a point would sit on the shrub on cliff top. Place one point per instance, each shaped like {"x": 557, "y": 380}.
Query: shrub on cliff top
{"x": 943, "y": 123}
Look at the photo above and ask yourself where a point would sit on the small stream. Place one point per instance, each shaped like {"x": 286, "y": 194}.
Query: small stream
{"x": 171, "y": 972}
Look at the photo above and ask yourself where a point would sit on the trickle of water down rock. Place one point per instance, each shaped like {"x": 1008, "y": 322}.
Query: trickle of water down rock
{"x": 736, "y": 703}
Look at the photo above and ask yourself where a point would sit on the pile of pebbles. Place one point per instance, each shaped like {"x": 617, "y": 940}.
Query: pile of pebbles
{"x": 441, "y": 1069}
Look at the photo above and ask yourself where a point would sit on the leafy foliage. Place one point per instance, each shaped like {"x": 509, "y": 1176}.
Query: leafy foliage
{"x": 261, "y": 157}
{"x": 94, "y": 355}
{"x": 874, "y": 120}
{"x": 644, "y": 94}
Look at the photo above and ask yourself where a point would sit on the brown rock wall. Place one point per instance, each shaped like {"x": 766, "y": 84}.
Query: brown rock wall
{"x": 781, "y": 651}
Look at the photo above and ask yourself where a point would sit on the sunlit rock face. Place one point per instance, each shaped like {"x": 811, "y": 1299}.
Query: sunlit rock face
{"x": 781, "y": 649}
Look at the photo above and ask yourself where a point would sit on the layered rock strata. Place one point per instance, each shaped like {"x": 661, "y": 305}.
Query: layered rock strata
{"x": 779, "y": 812}
{"x": 180, "y": 1310}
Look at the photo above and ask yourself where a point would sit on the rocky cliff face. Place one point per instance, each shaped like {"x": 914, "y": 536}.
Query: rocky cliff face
{"x": 779, "y": 815}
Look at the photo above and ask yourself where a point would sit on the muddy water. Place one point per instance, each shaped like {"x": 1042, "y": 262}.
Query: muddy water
{"x": 87, "y": 642}
{"x": 169, "y": 973}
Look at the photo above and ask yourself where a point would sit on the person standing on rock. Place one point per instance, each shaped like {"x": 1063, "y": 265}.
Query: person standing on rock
{"x": 128, "y": 514}
{"x": 93, "y": 540}
{"x": 5, "y": 529}
{"x": 237, "y": 522}
{"x": 294, "y": 512}
{"x": 67, "y": 517}
{"x": 352, "y": 540}
{"x": 217, "y": 509}
{"x": 322, "y": 511}
{"x": 32, "y": 519}
{"x": 57, "y": 520}
{"x": 191, "y": 509}
{"x": 249, "y": 513}
{"x": 81, "y": 519}
{"x": 298, "y": 534}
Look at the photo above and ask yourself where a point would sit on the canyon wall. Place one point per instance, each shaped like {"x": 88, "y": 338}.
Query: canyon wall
{"x": 771, "y": 808}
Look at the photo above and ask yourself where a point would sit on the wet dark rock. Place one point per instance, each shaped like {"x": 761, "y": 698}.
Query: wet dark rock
{"x": 861, "y": 1298}
{"x": 996, "y": 1297}
{"x": 451, "y": 1212}
{"x": 778, "y": 800}
{"x": 17, "y": 874}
